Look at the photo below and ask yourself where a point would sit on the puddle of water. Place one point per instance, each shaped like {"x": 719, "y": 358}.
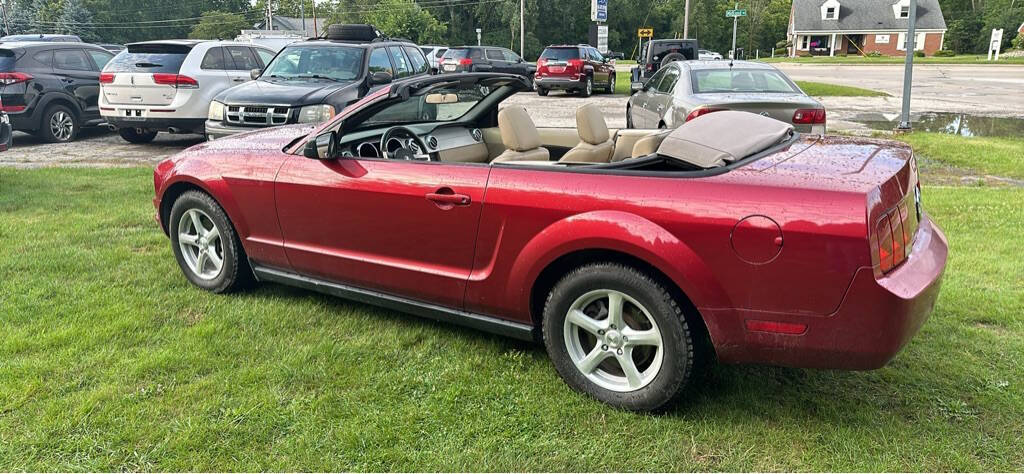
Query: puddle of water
{"x": 958, "y": 124}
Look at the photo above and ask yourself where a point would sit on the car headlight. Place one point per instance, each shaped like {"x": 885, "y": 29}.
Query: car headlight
{"x": 216, "y": 111}
{"x": 316, "y": 113}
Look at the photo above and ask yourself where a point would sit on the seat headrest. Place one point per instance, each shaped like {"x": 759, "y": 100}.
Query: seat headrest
{"x": 591, "y": 125}
{"x": 718, "y": 138}
{"x": 517, "y": 129}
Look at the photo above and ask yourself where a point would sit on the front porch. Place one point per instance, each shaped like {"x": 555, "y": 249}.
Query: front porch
{"x": 827, "y": 44}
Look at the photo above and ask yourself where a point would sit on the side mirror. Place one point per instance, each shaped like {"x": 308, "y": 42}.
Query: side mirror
{"x": 255, "y": 73}
{"x": 380, "y": 77}
{"x": 321, "y": 147}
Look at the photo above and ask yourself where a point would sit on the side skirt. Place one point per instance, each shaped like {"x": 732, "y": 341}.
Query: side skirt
{"x": 427, "y": 310}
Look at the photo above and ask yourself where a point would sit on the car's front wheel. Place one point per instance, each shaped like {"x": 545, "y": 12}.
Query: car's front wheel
{"x": 629, "y": 117}
{"x": 206, "y": 245}
{"x": 618, "y": 335}
{"x": 611, "y": 83}
{"x": 135, "y": 135}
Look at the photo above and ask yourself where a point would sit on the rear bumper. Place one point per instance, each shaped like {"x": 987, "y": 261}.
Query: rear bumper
{"x": 180, "y": 125}
{"x": 560, "y": 83}
{"x": 876, "y": 319}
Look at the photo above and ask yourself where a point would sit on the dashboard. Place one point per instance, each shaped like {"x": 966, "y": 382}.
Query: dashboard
{"x": 427, "y": 142}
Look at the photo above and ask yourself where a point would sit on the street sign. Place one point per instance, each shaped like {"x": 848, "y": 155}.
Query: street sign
{"x": 645, "y": 33}
{"x": 995, "y": 43}
{"x": 735, "y": 13}
{"x": 599, "y": 10}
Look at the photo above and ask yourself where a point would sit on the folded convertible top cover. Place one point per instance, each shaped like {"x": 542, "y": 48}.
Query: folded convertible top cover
{"x": 719, "y": 138}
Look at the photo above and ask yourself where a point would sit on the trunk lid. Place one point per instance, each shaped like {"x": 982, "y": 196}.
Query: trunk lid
{"x": 777, "y": 106}
{"x": 142, "y": 74}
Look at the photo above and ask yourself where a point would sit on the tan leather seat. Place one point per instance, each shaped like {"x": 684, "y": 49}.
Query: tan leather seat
{"x": 649, "y": 144}
{"x": 596, "y": 145}
{"x": 520, "y": 136}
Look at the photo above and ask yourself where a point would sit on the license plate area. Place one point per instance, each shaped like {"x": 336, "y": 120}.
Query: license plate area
{"x": 557, "y": 69}
{"x": 132, "y": 115}
{"x": 449, "y": 67}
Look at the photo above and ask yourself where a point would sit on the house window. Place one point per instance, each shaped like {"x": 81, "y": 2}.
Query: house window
{"x": 805, "y": 42}
{"x": 881, "y": 39}
{"x": 901, "y": 42}
{"x": 904, "y": 11}
{"x": 830, "y": 13}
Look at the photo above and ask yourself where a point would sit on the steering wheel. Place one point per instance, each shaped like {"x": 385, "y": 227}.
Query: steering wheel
{"x": 400, "y": 143}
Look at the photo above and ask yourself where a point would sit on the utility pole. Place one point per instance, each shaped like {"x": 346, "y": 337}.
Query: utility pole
{"x": 302, "y": 13}
{"x": 315, "y": 33}
{"x": 270, "y": 17}
{"x": 522, "y": 27}
{"x": 734, "y": 19}
{"x": 3, "y": 12}
{"x": 908, "y": 68}
{"x": 686, "y": 20}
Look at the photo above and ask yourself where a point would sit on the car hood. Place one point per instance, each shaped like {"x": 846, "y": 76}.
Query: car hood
{"x": 264, "y": 139}
{"x": 282, "y": 92}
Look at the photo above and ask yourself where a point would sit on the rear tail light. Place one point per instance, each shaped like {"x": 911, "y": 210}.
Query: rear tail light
{"x": 106, "y": 78}
{"x": 466, "y": 62}
{"x": 895, "y": 238}
{"x": 12, "y": 108}
{"x": 700, "y": 111}
{"x": 813, "y": 116}
{"x": 576, "y": 63}
{"x": 8, "y": 78}
{"x": 179, "y": 81}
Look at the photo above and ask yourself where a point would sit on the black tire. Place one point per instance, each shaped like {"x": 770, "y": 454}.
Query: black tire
{"x": 671, "y": 57}
{"x": 629, "y": 117}
{"x": 132, "y": 135}
{"x": 352, "y": 32}
{"x": 679, "y": 350}
{"x": 588, "y": 87}
{"x": 542, "y": 92}
{"x": 235, "y": 273}
{"x": 610, "y": 88}
{"x": 50, "y": 132}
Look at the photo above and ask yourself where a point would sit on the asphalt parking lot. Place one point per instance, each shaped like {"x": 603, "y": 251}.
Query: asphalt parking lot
{"x": 980, "y": 90}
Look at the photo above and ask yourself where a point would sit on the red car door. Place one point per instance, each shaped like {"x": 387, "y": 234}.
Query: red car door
{"x": 406, "y": 228}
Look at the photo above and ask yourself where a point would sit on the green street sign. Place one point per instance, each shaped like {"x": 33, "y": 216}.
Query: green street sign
{"x": 735, "y": 13}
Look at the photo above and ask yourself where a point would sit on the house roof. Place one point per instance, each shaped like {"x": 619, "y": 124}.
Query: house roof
{"x": 865, "y": 15}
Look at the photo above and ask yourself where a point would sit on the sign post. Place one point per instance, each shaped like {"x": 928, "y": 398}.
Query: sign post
{"x": 908, "y": 68}
{"x": 643, "y": 33}
{"x": 478, "y": 30}
{"x": 995, "y": 43}
{"x": 735, "y": 14}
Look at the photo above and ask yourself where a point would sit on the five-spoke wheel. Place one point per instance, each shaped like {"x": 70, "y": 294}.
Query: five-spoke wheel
{"x": 206, "y": 245}
{"x": 200, "y": 243}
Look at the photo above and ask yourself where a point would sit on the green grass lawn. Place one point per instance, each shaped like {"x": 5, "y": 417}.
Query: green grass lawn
{"x": 862, "y": 60}
{"x": 622, "y": 82}
{"x": 820, "y": 89}
{"x": 110, "y": 360}
{"x": 987, "y": 156}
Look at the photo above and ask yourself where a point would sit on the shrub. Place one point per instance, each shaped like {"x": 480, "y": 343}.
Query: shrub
{"x": 1018, "y": 42}
{"x": 945, "y": 53}
{"x": 782, "y": 51}
{"x": 873, "y": 54}
{"x": 919, "y": 54}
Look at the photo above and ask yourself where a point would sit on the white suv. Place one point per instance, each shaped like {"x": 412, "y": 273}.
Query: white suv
{"x": 433, "y": 54}
{"x": 167, "y": 86}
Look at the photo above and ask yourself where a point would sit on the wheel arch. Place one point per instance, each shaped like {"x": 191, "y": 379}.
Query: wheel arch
{"x": 59, "y": 99}
{"x": 171, "y": 194}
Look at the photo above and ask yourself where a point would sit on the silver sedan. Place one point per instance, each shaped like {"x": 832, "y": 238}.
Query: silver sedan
{"x": 684, "y": 90}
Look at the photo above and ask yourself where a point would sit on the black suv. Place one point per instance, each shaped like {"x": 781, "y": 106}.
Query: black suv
{"x": 51, "y": 89}
{"x": 311, "y": 81}
{"x": 657, "y": 53}
{"x": 485, "y": 59}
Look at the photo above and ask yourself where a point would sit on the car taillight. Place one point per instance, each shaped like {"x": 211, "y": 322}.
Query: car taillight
{"x": 576, "y": 63}
{"x": 8, "y": 78}
{"x": 813, "y": 116}
{"x": 466, "y": 62}
{"x": 700, "y": 111}
{"x": 179, "y": 81}
{"x": 895, "y": 238}
{"x": 106, "y": 78}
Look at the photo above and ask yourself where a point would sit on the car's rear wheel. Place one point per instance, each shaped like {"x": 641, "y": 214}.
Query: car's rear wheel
{"x": 618, "y": 335}
{"x": 59, "y": 125}
{"x": 542, "y": 91}
{"x": 588, "y": 87}
{"x": 206, "y": 245}
{"x": 136, "y": 135}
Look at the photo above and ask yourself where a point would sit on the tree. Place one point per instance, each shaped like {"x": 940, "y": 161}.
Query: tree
{"x": 219, "y": 25}
{"x": 396, "y": 18}
{"x": 23, "y": 17}
{"x": 75, "y": 19}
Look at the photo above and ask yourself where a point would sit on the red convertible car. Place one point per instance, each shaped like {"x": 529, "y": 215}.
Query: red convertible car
{"x": 635, "y": 255}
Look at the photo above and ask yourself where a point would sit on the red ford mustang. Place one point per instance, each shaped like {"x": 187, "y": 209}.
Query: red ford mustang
{"x": 633, "y": 254}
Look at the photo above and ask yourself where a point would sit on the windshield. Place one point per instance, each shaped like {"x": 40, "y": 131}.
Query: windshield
{"x": 740, "y": 80}
{"x": 339, "y": 63}
{"x": 445, "y": 103}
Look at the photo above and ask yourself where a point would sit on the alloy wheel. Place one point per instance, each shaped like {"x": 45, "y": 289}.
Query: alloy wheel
{"x": 613, "y": 340}
{"x": 62, "y": 125}
{"x": 201, "y": 244}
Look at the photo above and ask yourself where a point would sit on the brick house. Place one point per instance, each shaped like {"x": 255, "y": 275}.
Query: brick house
{"x": 858, "y": 27}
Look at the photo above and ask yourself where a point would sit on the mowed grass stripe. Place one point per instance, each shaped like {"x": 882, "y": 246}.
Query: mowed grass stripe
{"x": 110, "y": 360}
